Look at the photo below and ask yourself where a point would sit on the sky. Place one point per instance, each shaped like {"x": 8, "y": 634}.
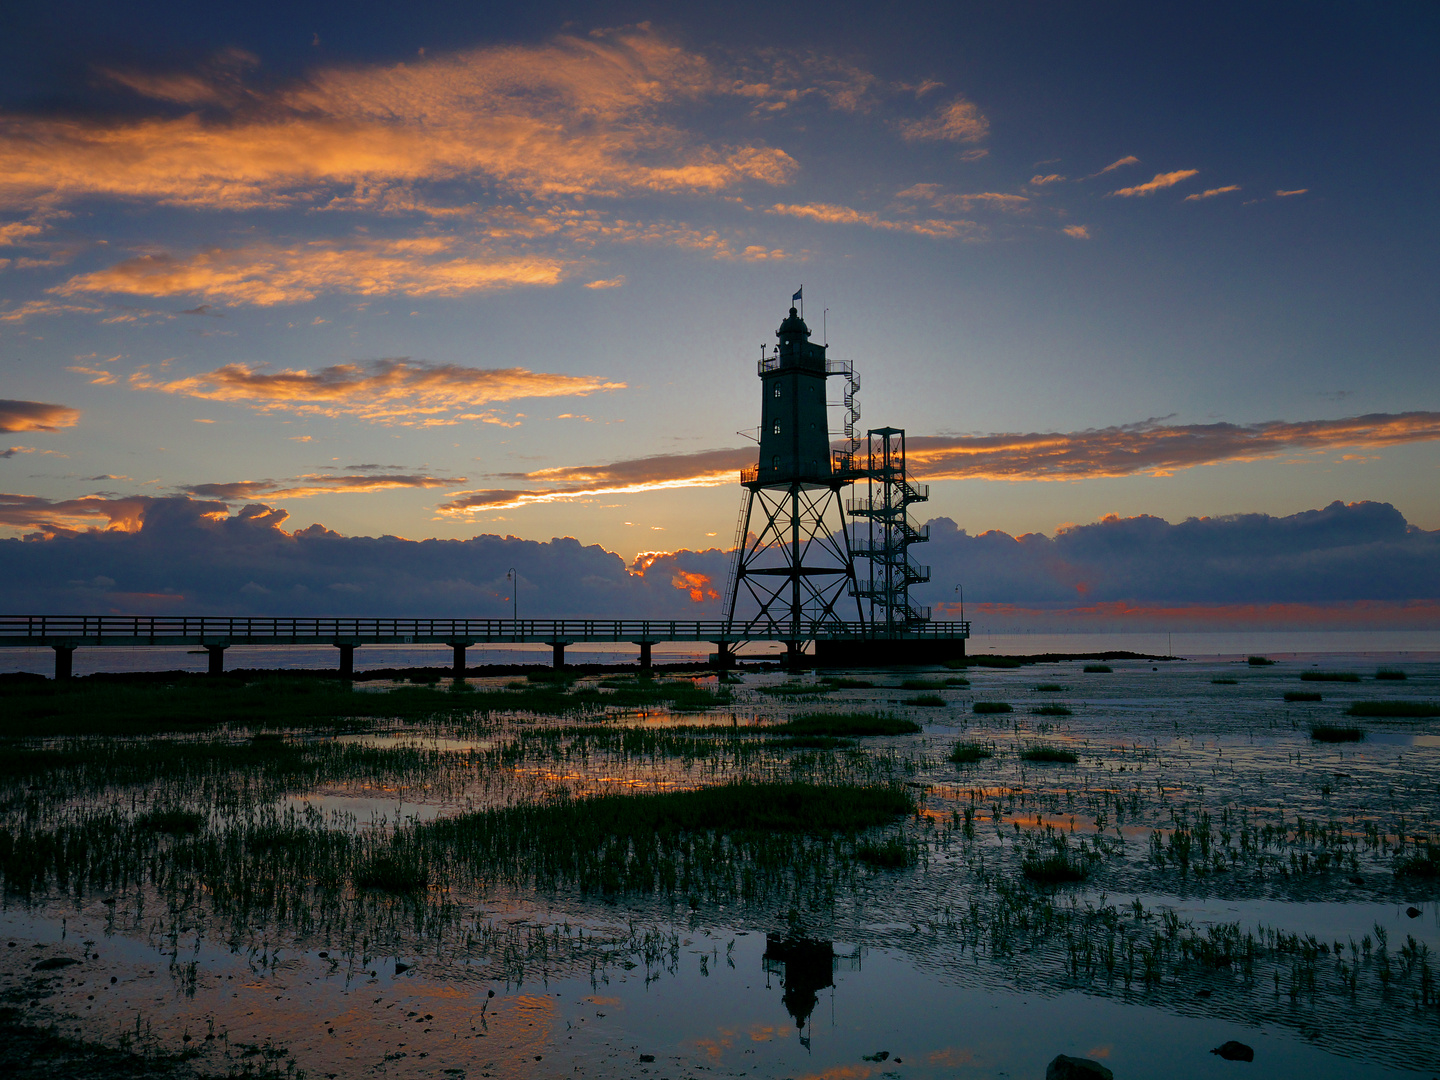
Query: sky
{"x": 297, "y": 274}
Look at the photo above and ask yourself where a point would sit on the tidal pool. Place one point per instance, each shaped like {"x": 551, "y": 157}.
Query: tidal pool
{"x": 345, "y": 904}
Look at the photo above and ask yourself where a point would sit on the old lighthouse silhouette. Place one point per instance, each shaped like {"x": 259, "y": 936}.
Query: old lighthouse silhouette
{"x": 794, "y": 574}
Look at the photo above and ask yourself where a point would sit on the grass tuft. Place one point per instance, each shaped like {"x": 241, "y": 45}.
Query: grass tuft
{"x": 392, "y": 874}
{"x": 1391, "y": 674}
{"x": 1058, "y": 868}
{"x": 1329, "y": 676}
{"x": 892, "y": 854}
{"x": 1336, "y": 733}
{"x": 1098, "y": 669}
{"x": 1259, "y": 661}
{"x": 1052, "y": 710}
{"x": 1049, "y": 688}
{"x": 844, "y": 725}
{"x": 174, "y": 822}
{"x": 1400, "y": 709}
{"x": 928, "y": 700}
{"x": 1048, "y": 755}
{"x": 992, "y": 707}
{"x": 1425, "y": 863}
{"x": 968, "y": 753}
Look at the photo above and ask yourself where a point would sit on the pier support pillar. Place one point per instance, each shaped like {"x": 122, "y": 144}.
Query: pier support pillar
{"x": 347, "y": 660}
{"x": 457, "y": 666}
{"x": 724, "y": 658}
{"x": 64, "y": 654}
{"x": 794, "y": 655}
{"x": 558, "y": 648}
{"x": 646, "y": 662}
{"x": 217, "y": 659}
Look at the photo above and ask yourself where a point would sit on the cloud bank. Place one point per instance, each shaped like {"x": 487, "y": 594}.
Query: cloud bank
{"x": 35, "y": 416}
{"x": 1360, "y": 564}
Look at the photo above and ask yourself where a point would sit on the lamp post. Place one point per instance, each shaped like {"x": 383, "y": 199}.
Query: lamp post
{"x": 961, "y": 590}
{"x": 514, "y": 604}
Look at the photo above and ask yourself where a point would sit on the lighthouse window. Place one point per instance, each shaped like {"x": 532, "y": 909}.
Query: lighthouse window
{"x": 777, "y": 389}
{"x": 777, "y": 427}
{"x": 775, "y": 462}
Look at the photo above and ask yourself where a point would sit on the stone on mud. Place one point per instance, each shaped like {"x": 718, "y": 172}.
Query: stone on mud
{"x": 1065, "y": 1067}
{"x": 1234, "y": 1051}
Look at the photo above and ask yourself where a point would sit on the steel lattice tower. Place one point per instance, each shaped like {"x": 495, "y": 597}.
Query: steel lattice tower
{"x": 886, "y": 505}
{"x": 793, "y": 564}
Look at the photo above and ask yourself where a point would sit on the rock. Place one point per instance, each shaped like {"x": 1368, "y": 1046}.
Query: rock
{"x": 1203, "y": 993}
{"x": 399, "y": 967}
{"x": 647, "y": 1057}
{"x": 1234, "y": 1051}
{"x": 1065, "y": 1067}
{"x": 879, "y": 1055}
{"x": 1413, "y": 912}
{"x": 55, "y": 963}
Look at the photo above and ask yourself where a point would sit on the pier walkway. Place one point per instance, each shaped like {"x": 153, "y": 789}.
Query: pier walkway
{"x": 215, "y": 634}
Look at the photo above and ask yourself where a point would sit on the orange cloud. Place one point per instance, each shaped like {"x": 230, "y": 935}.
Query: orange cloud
{"x": 1052, "y": 178}
{"x": 50, "y": 519}
{"x": 17, "y": 232}
{"x": 697, "y": 585}
{"x": 1128, "y": 159}
{"x": 959, "y": 121}
{"x": 1212, "y": 192}
{"x": 1152, "y": 447}
{"x": 961, "y": 201}
{"x": 1287, "y": 194}
{"x": 574, "y": 116}
{"x": 31, "y": 308}
{"x": 606, "y": 283}
{"x": 264, "y": 275}
{"x": 312, "y": 484}
{"x": 1079, "y": 232}
{"x": 1161, "y": 181}
{"x": 704, "y": 468}
{"x": 831, "y": 214}
{"x": 384, "y": 391}
{"x": 35, "y": 416}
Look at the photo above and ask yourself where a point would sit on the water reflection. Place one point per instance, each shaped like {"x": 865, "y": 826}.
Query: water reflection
{"x": 805, "y": 968}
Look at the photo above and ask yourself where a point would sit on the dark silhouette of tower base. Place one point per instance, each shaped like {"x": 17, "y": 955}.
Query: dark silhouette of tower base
{"x": 793, "y": 569}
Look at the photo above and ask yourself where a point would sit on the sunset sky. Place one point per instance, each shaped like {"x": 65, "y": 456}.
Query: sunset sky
{"x": 457, "y": 269}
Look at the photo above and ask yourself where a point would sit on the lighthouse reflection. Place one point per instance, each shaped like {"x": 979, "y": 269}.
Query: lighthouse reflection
{"x": 805, "y": 967}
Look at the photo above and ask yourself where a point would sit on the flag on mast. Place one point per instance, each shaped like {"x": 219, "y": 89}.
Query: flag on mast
{"x": 799, "y": 294}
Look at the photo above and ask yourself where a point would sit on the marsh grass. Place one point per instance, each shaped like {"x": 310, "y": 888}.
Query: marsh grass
{"x": 928, "y": 700}
{"x": 798, "y": 689}
{"x": 1395, "y": 709}
{"x": 1224, "y": 682}
{"x": 1052, "y": 710}
{"x": 924, "y": 684}
{"x": 1303, "y": 695}
{"x": 992, "y": 707}
{"x": 841, "y": 683}
{"x": 1425, "y": 863}
{"x": 848, "y": 725}
{"x": 1259, "y": 661}
{"x": 968, "y": 753}
{"x": 1057, "y": 868}
{"x": 1049, "y": 688}
{"x": 1048, "y": 755}
{"x": 1098, "y": 669}
{"x": 890, "y": 854}
{"x": 1336, "y": 733}
{"x": 174, "y": 822}
{"x": 1390, "y": 674}
{"x": 392, "y": 874}
{"x": 1329, "y": 676}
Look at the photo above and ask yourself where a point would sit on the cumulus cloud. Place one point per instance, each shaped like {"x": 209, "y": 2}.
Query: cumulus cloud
{"x": 1078, "y": 232}
{"x": 67, "y": 516}
{"x": 703, "y": 468}
{"x": 958, "y": 121}
{"x": 1210, "y": 193}
{"x": 181, "y": 554}
{"x": 1344, "y": 565}
{"x": 265, "y": 275}
{"x": 394, "y": 390}
{"x": 19, "y": 232}
{"x": 1152, "y": 447}
{"x": 311, "y": 484}
{"x": 1161, "y": 181}
{"x": 35, "y": 416}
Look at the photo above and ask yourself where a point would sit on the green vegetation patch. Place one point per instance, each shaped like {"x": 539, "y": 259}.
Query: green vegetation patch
{"x": 1302, "y": 695}
{"x": 1398, "y": 709}
{"x": 1259, "y": 661}
{"x": 1098, "y": 669}
{"x": 968, "y": 753}
{"x": 844, "y": 725}
{"x": 797, "y": 689}
{"x": 1052, "y": 710}
{"x": 1335, "y": 733}
{"x": 1329, "y": 676}
{"x": 992, "y": 707}
{"x": 1058, "y": 868}
{"x": 1391, "y": 674}
{"x": 928, "y": 700}
{"x": 923, "y": 684}
{"x": 891, "y": 854}
{"x": 1425, "y": 863}
{"x": 1048, "y": 755}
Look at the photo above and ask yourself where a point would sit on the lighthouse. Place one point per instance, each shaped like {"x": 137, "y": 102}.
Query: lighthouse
{"x": 794, "y": 428}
